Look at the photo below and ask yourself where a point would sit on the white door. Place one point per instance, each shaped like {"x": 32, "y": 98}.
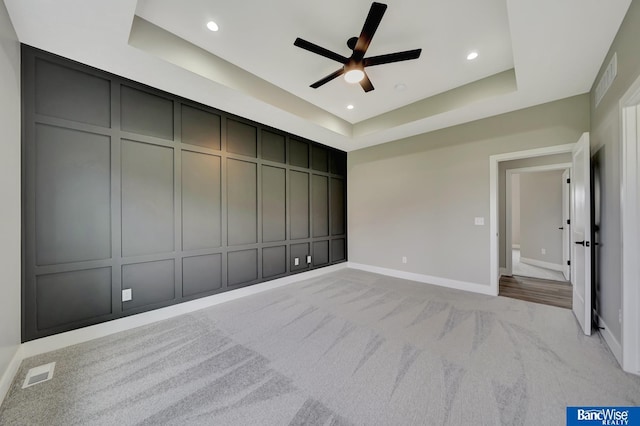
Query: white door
{"x": 581, "y": 233}
{"x": 566, "y": 236}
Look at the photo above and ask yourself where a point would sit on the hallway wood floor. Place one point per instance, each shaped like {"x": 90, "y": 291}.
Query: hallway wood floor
{"x": 547, "y": 292}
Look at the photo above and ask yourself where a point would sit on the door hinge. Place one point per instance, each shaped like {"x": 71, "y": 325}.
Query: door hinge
{"x": 568, "y": 221}
{"x": 568, "y": 180}
{"x": 569, "y": 262}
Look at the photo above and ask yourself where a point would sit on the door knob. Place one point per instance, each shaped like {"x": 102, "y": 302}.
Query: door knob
{"x": 562, "y": 227}
{"x": 580, "y": 243}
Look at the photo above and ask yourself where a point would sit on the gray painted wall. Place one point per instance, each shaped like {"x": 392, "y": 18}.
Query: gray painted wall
{"x": 605, "y": 147}
{"x": 418, "y": 197}
{"x": 9, "y": 191}
{"x": 502, "y": 189}
{"x": 515, "y": 210}
{"x": 541, "y": 215}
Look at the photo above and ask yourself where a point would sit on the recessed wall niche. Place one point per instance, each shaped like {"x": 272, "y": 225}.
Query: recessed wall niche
{"x": 131, "y": 188}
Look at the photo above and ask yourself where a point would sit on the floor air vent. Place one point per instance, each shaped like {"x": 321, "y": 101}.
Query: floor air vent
{"x": 39, "y": 374}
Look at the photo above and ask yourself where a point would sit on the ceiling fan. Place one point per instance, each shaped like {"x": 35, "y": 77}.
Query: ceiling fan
{"x": 353, "y": 66}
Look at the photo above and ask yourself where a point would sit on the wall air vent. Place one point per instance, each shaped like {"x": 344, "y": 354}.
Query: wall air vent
{"x": 607, "y": 78}
{"x": 39, "y": 374}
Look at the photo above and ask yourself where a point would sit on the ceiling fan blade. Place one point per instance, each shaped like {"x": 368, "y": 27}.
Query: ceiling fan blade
{"x": 328, "y": 78}
{"x": 368, "y": 30}
{"x": 366, "y": 83}
{"x": 392, "y": 57}
{"x": 314, "y": 48}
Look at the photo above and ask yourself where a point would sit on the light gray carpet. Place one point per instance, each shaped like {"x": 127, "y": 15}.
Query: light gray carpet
{"x": 348, "y": 348}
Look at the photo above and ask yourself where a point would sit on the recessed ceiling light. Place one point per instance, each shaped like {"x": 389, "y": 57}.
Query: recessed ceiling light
{"x": 471, "y": 56}
{"x": 354, "y": 76}
{"x": 400, "y": 87}
{"x": 349, "y": 106}
{"x": 212, "y": 26}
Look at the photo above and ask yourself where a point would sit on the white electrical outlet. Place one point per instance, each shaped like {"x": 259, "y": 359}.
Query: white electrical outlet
{"x": 404, "y": 259}
{"x": 126, "y": 295}
{"x": 479, "y": 221}
{"x": 296, "y": 261}
{"x": 544, "y": 251}
{"x": 308, "y": 259}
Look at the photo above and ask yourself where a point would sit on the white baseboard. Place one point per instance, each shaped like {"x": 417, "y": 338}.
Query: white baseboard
{"x": 612, "y": 342}
{"x": 442, "y": 282}
{"x": 541, "y": 264}
{"x": 515, "y": 246}
{"x": 7, "y": 377}
{"x": 59, "y": 341}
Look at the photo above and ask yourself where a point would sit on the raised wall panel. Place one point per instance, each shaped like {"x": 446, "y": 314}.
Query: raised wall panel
{"x": 273, "y": 147}
{"x": 337, "y": 207}
{"x": 70, "y": 297}
{"x": 338, "y": 163}
{"x": 241, "y": 138}
{"x": 242, "y": 267}
{"x": 201, "y": 274}
{"x": 150, "y": 282}
{"x": 146, "y": 113}
{"x": 274, "y": 261}
{"x": 273, "y": 204}
{"x": 320, "y": 203}
{"x": 320, "y": 159}
{"x": 298, "y": 153}
{"x": 338, "y": 251}
{"x": 147, "y": 199}
{"x": 200, "y": 127}
{"x": 299, "y": 204}
{"x": 242, "y": 202}
{"x": 73, "y": 196}
{"x": 320, "y": 254}
{"x": 71, "y": 94}
{"x": 299, "y": 251}
{"x": 201, "y": 201}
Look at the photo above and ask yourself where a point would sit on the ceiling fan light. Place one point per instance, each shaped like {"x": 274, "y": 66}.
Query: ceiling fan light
{"x": 212, "y": 26}
{"x": 354, "y": 76}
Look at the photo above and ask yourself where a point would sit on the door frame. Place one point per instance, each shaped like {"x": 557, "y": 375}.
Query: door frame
{"x": 629, "y": 109}
{"x": 508, "y": 209}
{"x": 566, "y": 224}
{"x": 494, "y": 160}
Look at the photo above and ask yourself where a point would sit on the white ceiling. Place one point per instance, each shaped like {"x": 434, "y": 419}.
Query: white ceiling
{"x": 251, "y": 68}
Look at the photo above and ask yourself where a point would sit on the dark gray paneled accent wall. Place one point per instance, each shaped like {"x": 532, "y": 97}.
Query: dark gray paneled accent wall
{"x": 72, "y": 192}
{"x": 128, "y": 187}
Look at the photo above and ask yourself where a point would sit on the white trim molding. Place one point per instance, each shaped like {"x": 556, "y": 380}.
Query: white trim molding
{"x": 427, "y": 279}
{"x": 10, "y": 373}
{"x": 629, "y": 112}
{"x": 494, "y": 246}
{"x": 610, "y": 339}
{"x": 541, "y": 264}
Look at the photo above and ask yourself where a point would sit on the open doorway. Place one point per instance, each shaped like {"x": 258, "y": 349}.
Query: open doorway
{"x": 537, "y": 235}
{"x": 537, "y": 216}
{"x": 580, "y": 220}
{"x": 537, "y": 238}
